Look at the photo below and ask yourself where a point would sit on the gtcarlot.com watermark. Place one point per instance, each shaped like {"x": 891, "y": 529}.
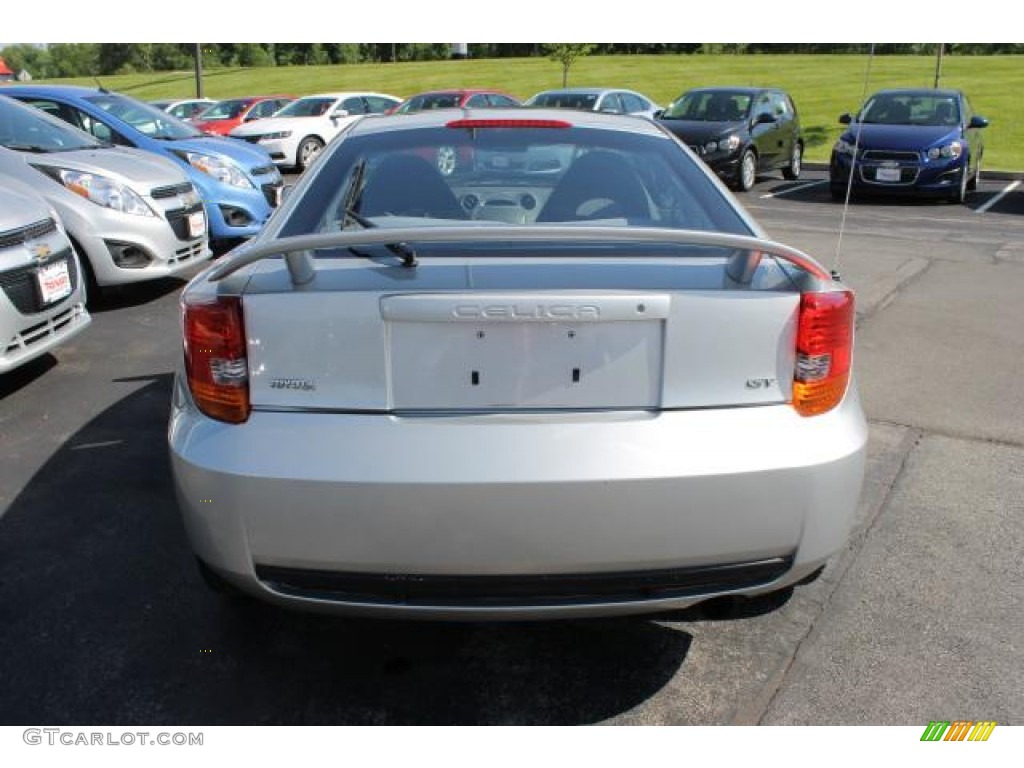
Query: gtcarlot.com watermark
{"x": 62, "y": 737}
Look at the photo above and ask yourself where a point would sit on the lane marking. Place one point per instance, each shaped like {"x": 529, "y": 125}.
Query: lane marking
{"x": 791, "y": 190}
{"x": 1009, "y": 188}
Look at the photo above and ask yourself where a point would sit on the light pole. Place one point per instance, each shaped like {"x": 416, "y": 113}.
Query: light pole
{"x": 199, "y": 69}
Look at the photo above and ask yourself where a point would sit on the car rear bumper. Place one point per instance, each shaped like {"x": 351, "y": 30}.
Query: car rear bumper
{"x": 516, "y": 517}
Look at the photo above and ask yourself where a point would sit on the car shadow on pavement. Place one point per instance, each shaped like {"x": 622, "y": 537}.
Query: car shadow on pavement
{"x": 105, "y": 620}
{"x": 133, "y": 294}
{"x": 24, "y": 375}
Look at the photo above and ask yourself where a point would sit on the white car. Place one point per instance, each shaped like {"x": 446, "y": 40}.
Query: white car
{"x": 613, "y": 101}
{"x": 295, "y": 135}
{"x": 519, "y": 390}
{"x": 183, "y": 109}
{"x": 42, "y": 293}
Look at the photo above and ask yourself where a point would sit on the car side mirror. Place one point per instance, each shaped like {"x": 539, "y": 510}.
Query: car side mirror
{"x": 978, "y": 122}
{"x": 338, "y": 113}
{"x": 250, "y": 118}
{"x": 659, "y": 113}
{"x": 845, "y": 118}
{"x": 763, "y": 118}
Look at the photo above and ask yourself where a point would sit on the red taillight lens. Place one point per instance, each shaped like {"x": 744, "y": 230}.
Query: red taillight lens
{"x": 215, "y": 360}
{"x": 824, "y": 348}
{"x": 507, "y": 123}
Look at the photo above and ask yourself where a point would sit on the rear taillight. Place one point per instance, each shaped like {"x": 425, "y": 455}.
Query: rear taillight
{"x": 215, "y": 360}
{"x": 824, "y": 347}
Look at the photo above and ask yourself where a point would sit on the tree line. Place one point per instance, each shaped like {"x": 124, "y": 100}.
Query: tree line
{"x": 97, "y": 59}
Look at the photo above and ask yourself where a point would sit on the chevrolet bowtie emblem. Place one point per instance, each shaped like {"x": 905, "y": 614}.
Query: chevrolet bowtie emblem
{"x": 40, "y": 250}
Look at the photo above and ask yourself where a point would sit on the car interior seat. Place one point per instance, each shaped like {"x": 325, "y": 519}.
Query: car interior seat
{"x": 898, "y": 113}
{"x": 719, "y": 107}
{"x": 407, "y": 185}
{"x": 599, "y": 184}
{"x": 944, "y": 114}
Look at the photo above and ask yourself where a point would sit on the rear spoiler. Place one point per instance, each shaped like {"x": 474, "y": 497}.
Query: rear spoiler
{"x": 298, "y": 250}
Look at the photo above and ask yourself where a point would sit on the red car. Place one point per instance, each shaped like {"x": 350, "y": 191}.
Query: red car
{"x": 224, "y": 116}
{"x": 455, "y": 98}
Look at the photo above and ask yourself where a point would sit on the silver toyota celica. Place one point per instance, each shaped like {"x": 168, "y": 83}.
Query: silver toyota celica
{"x": 571, "y": 378}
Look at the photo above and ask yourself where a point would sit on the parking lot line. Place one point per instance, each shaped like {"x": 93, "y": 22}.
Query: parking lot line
{"x": 1009, "y": 188}
{"x": 791, "y": 190}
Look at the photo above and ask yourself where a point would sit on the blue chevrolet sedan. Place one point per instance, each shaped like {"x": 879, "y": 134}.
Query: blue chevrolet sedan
{"x": 910, "y": 142}
{"x": 239, "y": 184}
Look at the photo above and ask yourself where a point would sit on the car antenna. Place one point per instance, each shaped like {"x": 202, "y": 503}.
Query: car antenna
{"x": 100, "y": 85}
{"x": 853, "y": 167}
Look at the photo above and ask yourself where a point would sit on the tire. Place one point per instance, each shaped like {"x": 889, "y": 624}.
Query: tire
{"x": 94, "y": 293}
{"x": 972, "y": 185}
{"x": 838, "y": 192}
{"x": 308, "y": 149}
{"x": 796, "y": 162}
{"x": 959, "y": 195}
{"x": 746, "y": 171}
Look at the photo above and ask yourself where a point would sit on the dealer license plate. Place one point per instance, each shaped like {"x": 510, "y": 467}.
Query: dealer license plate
{"x": 196, "y": 224}
{"x": 887, "y": 174}
{"x": 54, "y": 281}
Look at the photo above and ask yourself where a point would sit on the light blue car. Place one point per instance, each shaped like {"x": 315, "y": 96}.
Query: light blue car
{"x": 239, "y": 184}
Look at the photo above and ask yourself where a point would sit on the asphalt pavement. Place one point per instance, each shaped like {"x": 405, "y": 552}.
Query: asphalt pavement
{"x": 103, "y": 618}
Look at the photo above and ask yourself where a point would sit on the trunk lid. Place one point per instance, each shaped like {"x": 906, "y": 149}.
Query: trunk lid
{"x": 478, "y": 335}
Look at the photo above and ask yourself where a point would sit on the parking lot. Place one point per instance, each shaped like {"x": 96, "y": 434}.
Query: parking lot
{"x": 107, "y": 621}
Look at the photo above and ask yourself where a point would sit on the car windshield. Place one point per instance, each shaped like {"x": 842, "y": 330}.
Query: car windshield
{"x": 565, "y": 100}
{"x": 145, "y": 118}
{"x": 710, "y": 106}
{"x": 427, "y": 101}
{"x": 510, "y": 175}
{"x": 224, "y": 110}
{"x": 30, "y": 130}
{"x": 311, "y": 107}
{"x": 912, "y": 109}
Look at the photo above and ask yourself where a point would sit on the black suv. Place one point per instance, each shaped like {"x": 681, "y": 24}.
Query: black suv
{"x": 739, "y": 132}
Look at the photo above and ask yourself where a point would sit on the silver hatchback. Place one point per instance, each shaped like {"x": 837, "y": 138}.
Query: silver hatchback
{"x": 572, "y": 378}
{"x": 131, "y": 216}
{"x": 42, "y": 295}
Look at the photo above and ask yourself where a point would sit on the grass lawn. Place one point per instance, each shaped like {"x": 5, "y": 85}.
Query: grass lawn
{"x": 822, "y": 86}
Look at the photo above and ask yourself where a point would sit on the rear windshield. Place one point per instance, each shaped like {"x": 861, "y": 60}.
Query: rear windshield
{"x": 912, "y": 109}
{"x": 430, "y": 101}
{"x": 521, "y": 176}
{"x": 565, "y": 100}
{"x": 224, "y": 110}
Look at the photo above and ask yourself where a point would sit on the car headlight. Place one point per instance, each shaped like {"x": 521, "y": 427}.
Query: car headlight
{"x": 726, "y": 144}
{"x": 275, "y": 135}
{"x": 100, "y": 190}
{"x": 844, "y": 147}
{"x": 221, "y": 169}
{"x": 952, "y": 150}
